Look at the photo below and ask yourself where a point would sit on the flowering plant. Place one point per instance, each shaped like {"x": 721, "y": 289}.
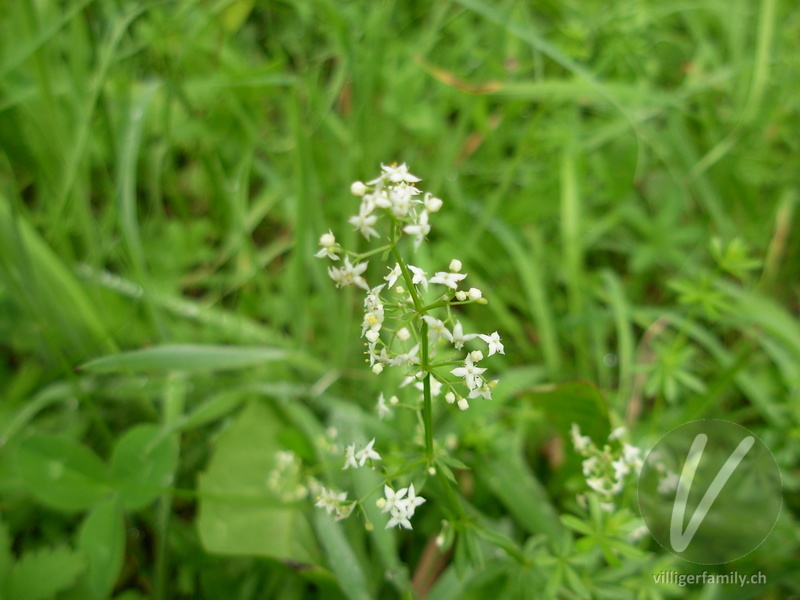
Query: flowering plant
{"x": 409, "y": 319}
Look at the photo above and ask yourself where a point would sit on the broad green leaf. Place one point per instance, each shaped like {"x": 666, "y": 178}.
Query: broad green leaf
{"x": 142, "y": 464}
{"x": 187, "y": 357}
{"x": 575, "y": 402}
{"x": 61, "y": 472}
{"x": 43, "y": 573}
{"x": 239, "y": 513}
{"x": 102, "y": 539}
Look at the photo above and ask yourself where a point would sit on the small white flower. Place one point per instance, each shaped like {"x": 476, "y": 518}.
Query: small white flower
{"x": 460, "y": 338}
{"x": 616, "y": 434}
{"x": 437, "y": 329}
{"x": 419, "y": 230}
{"x": 590, "y": 466}
{"x": 621, "y": 468}
{"x": 412, "y": 500}
{"x": 580, "y": 442}
{"x": 391, "y": 278}
{"x": 349, "y": 274}
{"x": 495, "y": 345}
{"x": 407, "y": 358}
{"x": 350, "y": 457}
{"x": 455, "y": 265}
{"x": 372, "y": 336}
{"x": 432, "y": 203}
{"x": 449, "y": 279}
{"x": 367, "y": 453}
{"x": 418, "y": 277}
{"x": 631, "y": 454}
{"x": 392, "y": 498}
{"x": 329, "y": 246}
{"x": 330, "y": 500}
{"x": 484, "y": 391}
{"x": 470, "y": 373}
{"x": 363, "y": 222}
{"x": 395, "y": 174}
{"x": 383, "y": 410}
{"x": 357, "y": 188}
{"x": 343, "y": 511}
{"x": 403, "y": 334}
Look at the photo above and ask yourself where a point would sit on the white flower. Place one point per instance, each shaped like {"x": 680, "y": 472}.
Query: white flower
{"x": 367, "y": 453}
{"x": 621, "y": 468}
{"x": 449, "y": 279}
{"x": 350, "y": 457}
{"x": 357, "y": 188}
{"x": 460, "y": 338}
{"x": 495, "y": 345}
{"x": 418, "y": 277}
{"x": 581, "y": 442}
{"x": 349, "y": 274}
{"x": 432, "y": 203}
{"x": 590, "y": 465}
{"x": 343, "y": 511}
{"x": 329, "y": 500}
{"x": 392, "y": 498}
{"x": 631, "y": 454}
{"x": 455, "y": 265}
{"x": 470, "y": 373}
{"x": 329, "y": 246}
{"x": 372, "y": 336}
{"x": 363, "y": 223}
{"x": 402, "y": 199}
{"x": 395, "y": 174}
{"x": 420, "y": 229}
{"x": 391, "y": 278}
{"x": 403, "y": 334}
{"x": 407, "y": 358}
{"x": 437, "y": 329}
{"x": 412, "y": 500}
{"x": 616, "y": 434}
{"x": 383, "y": 410}
{"x": 484, "y": 391}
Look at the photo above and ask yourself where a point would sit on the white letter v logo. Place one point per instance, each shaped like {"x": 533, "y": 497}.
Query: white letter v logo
{"x": 681, "y": 539}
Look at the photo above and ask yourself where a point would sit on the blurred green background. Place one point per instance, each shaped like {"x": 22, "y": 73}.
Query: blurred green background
{"x": 620, "y": 179}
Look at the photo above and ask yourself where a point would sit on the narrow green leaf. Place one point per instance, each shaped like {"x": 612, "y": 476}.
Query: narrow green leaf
{"x": 187, "y": 357}
{"x": 341, "y": 557}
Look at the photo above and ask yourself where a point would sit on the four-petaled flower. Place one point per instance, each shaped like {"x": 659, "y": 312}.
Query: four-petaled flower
{"x": 449, "y": 279}
{"x": 470, "y": 373}
{"x": 495, "y": 345}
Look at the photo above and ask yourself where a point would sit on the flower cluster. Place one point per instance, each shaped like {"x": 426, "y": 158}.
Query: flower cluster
{"x": 334, "y": 502}
{"x": 409, "y": 321}
{"x": 400, "y": 505}
{"x": 606, "y": 468}
{"x": 285, "y": 478}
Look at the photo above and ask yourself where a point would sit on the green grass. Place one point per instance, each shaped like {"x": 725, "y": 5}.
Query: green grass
{"x": 167, "y": 168}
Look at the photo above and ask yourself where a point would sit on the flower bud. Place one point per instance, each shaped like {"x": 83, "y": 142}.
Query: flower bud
{"x": 327, "y": 240}
{"x": 476, "y": 355}
{"x": 475, "y": 294}
{"x": 403, "y": 334}
{"x": 455, "y": 265}
{"x": 463, "y": 404}
{"x": 358, "y": 188}
{"x": 377, "y": 368}
{"x": 450, "y": 397}
{"x": 461, "y": 295}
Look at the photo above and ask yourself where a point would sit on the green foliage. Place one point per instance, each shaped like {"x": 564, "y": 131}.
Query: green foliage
{"x": 621, "y": 177}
